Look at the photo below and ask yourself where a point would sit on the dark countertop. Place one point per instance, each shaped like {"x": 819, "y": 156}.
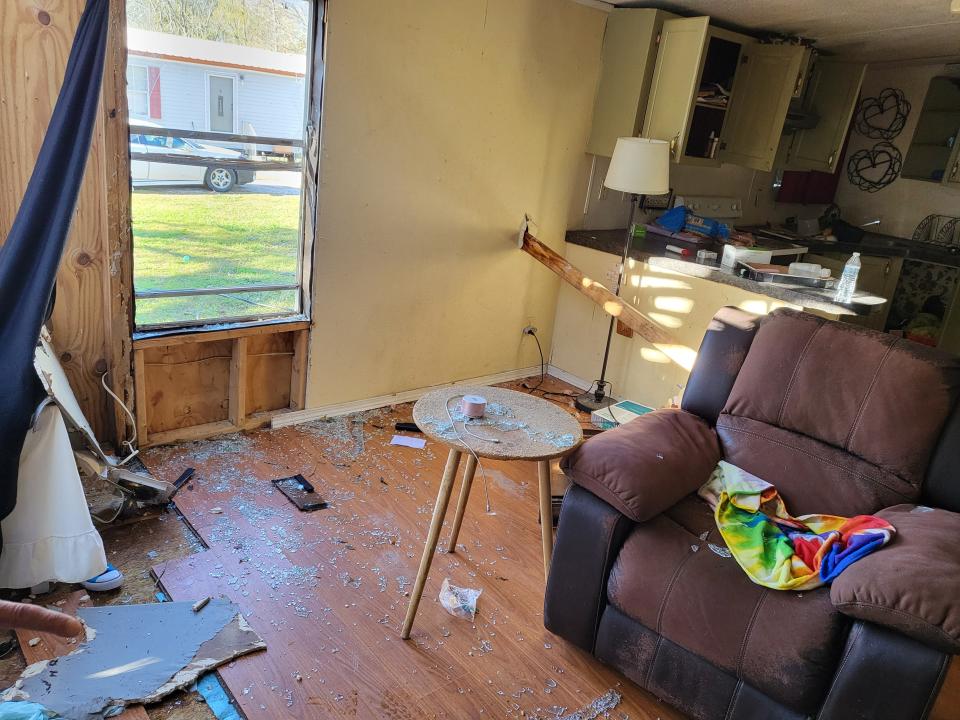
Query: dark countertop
{"x": 889, "y": 246}
{"x": 652, "y": 249}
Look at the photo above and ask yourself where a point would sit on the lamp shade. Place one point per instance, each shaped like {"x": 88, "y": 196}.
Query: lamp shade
{"x": 639, "y": 166}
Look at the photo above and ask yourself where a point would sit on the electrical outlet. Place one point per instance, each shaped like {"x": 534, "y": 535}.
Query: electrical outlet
{"x": 529, "y": 330}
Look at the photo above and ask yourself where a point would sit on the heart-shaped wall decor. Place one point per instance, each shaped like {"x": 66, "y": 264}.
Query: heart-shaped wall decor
{"x": 882, "y": 117}
{"x": 872, "y": 169}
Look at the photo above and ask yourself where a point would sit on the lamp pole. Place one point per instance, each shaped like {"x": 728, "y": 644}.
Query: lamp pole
{"x": 598, "y": 398}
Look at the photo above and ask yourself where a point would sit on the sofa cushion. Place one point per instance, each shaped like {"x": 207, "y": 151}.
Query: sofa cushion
{"x": 848, "y": 387}
{"x": 645, "y": 466}
{"x": 675, "y": 576}
{"x": 811, "y": 476}
{"x": 913, "y": 585}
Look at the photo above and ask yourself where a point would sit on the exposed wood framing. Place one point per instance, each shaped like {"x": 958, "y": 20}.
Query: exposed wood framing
{"x": 208, "y": 336}
{"x": 203, "y": 384}
{"x": 35, "y": 40}
{"x": 611, "y": 304}
{"x": 119, "y": 239}
{"x": 238, "y": 382}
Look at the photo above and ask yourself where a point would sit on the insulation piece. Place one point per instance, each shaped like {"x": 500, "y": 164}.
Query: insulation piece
{"x": 136, "y": 654}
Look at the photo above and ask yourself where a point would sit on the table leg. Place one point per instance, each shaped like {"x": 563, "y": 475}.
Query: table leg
{"x": 462, "y": 501}
{"x": 439, "y": 510}
{"x": 546, "y": 514}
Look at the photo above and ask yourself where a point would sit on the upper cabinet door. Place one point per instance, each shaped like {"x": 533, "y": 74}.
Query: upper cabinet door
{"x": 676, "y": 79}
{"x": 951, "y": 175}
{"x": 629, "y": 49}
{"x": 764, "y": 84}
{"x": 833, "y": 89}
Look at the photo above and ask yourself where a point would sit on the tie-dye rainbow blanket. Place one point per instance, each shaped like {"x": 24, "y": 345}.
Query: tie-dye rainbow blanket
{"x": 777, "y": 550}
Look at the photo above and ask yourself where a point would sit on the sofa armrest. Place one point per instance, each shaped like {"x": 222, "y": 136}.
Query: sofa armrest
{"x": 647, "y": 465}
{"x": 884, "y": 675}
{"x": 913, "y": 584}
{"x": 589, "y": 538}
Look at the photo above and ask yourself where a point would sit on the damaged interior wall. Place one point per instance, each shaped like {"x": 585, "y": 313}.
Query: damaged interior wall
{"x": 444, "y": 121}
{"x": 90, "y": 326}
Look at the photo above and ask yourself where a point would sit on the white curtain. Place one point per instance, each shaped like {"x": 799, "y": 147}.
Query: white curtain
{"x": 49, "y": 535}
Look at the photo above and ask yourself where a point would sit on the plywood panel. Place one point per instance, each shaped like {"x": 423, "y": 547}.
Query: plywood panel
{"x": 35, "y": 40}
{"x": 269, "y": 367}
{"x": 187, "y": 385}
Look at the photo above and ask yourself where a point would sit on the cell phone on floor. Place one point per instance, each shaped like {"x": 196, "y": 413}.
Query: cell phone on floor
{"x": 300, "y": 492}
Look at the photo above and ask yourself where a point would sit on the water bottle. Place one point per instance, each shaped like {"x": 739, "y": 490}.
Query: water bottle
{"x": 848, "y": 280}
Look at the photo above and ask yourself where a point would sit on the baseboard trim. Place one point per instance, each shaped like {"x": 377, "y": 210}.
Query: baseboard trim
{"x": 354, "y": 406}
{"x": 575, "y": 380}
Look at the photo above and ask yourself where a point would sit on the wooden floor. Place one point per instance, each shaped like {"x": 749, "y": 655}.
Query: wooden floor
{"x": 328, "y": 589}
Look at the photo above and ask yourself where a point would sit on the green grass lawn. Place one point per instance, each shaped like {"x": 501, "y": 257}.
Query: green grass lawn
{"x": 199, "y": 239}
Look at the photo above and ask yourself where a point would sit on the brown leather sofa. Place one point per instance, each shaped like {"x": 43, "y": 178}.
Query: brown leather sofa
{"x": 842, "y": 420}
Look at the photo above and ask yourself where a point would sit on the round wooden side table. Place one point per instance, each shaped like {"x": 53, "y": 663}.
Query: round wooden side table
{"x": 516, "y": 426}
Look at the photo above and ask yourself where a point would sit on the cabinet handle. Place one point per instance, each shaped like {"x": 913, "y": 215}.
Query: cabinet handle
{"x": 830, "y": 158}
{"x": 953, "y": 173}
{"x": 675, "y": 145}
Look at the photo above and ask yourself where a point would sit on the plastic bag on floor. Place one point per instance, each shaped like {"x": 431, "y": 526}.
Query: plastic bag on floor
{"x": 459, "y": 602}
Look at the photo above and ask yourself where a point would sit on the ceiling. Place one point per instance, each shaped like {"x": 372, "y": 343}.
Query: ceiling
{"x": 865, "y": 30}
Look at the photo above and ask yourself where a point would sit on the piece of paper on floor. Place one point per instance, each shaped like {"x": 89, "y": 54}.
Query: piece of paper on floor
{"x": 418, "y": 443}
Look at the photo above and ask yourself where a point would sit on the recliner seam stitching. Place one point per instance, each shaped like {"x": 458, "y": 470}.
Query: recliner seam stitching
{"x": 653, "y": 661}
{"x": 937, "y": 686}
{"x": 733, "y": 699}
{"x": 749, "y": 630}
{"x": 796, "y": 371}
{"x": 663, "y": 605}
{"x": 854, "y": 473}
{"x": 669, "y": 589}
{"x": 863, "y": 403}
{"x": 603, "y": 590}
{"x": 858, "y": 628}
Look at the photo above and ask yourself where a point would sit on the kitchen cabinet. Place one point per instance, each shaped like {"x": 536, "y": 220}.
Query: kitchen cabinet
{"x": 719, "y": 96}
{"x": 952, "y": 176}
{"x": 629, "y": 55}
{"x": 934, "y": 152}
{"x": 878, "y": 275}
{"x": 833, "y": 88}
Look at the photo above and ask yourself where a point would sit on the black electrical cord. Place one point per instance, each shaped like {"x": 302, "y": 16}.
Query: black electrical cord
{"x": 543, "y": 374}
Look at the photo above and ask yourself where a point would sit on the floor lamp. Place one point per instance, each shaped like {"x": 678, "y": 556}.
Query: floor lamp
{"x": 639, "y": 167}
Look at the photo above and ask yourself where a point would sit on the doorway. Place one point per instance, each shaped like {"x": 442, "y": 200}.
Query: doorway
{"x": 221, "y": 99}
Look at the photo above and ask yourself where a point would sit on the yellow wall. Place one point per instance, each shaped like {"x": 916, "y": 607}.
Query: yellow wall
{"x": 444, "y": 121}
{"x": 682, "y": 305}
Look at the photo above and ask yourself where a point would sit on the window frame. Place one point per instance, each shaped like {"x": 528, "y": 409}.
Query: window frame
{"x": 131, "y": 90}
{"x": 309, "y": 146}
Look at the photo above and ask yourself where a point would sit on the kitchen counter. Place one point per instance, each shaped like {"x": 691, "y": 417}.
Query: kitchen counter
{"x": 888, "y": 246}
{"x": 652, "y": 250}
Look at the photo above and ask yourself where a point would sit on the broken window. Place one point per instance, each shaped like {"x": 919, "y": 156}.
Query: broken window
{"x": 218, "y": 93}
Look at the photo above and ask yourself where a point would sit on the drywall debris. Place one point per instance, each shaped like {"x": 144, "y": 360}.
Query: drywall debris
{"x": 216, "y": 510}
{"x": 33, "y": 642}
{"x": 140, "y": 654}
